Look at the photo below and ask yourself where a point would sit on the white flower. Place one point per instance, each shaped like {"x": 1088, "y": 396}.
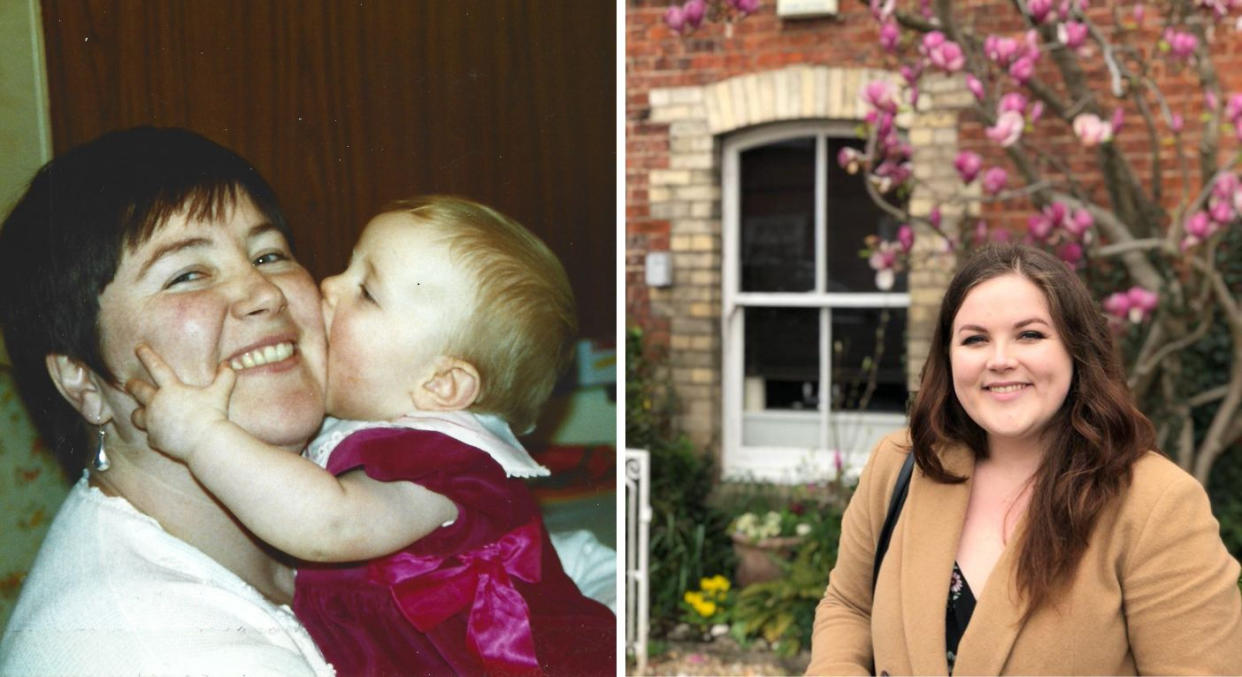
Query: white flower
{"x": 1091, "y": 130}
{"x": 802, "y": 529}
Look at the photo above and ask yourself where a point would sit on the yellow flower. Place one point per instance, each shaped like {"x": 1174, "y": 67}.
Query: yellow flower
{"x": 693, "y": 598}
{"x": 715, "y": 584}
{"x": 706, "y": 609}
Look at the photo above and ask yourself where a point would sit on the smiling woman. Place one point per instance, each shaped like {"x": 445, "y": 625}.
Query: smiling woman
{"x": 1042, "y": 533}
{"x": 162, "y": 237}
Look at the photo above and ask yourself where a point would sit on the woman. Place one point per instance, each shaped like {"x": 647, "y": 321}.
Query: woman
{"x": 163, "y": 237}
{"x": 1040, "y": 533}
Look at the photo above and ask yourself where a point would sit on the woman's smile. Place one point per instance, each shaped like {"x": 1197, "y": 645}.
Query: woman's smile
{"x": 277, "y": 355}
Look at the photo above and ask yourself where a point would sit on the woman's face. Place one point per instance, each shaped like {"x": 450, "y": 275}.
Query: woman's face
{"x": 210, "y": 291}
{"x": 1011, "y": 370}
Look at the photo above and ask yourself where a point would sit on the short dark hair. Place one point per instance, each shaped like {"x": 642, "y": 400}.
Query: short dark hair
{"x": 61, "y": 244}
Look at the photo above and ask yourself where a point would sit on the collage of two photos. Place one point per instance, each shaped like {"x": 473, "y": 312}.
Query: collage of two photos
{"x": 550, "y": 337}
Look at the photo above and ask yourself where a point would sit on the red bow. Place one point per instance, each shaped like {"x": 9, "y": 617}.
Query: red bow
{"x": 499, "y": 623}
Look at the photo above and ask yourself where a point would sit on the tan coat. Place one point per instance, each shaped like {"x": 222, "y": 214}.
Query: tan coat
{"x": 1155, "y": 593}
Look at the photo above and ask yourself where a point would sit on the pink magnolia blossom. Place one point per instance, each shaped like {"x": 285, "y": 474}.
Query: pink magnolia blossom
{"x": 1118, "y": 119}
{"x": 1031, "y": 45}
{"x": 1182, "y": 45}
{"x": 1140, "y": 12}
{"x": 1220, "y": 8}
{"x": 1056, "y": 213}
{"x": 943, "y": 53}
{"x": 1091, "y": 130}
{"x": 1013, "y": 101}
{"x": 890, "y": 36}
{"x": 981, "y": 232}
{"x": 1233, "y": 108}
{"x": 1176, "y": 123}
{"x": 905, "y": 237}
{"x": 748, "y": 6}
{"x": 1072, "y": 34}
{"x": 1199, "y": 225}
{"x": 675, "y": 19}
{"x": 882, "y": 9}
{"x": 968, "y": 165}
{"x": 885, "y": 262}
{"x": 1071, "y": 253}
{"x": 911, "y": 72}
{"x": 879, "y": 94}
{"x": 934, "y": 217}
{"x": 994, "y": 180}
{"x": 1142, "y": 303}
{"x": 850, "y": 159}
{"x": 1022, "y": 69}
{"x": 975, "y": 87}
{"x": 889, "y": 175}
{"x": 884, "y": 127}
{"x": 1226, "y": 187}
{"x": 1210, "y": 99}
{"x": 1037, "y": 111}
{"x": 693, "y": 11}
{"x": 1008, "y": 128}
{"x": 1001, "y": 51}
{"x": 1117, "y": 304}
{"x": 1039, "y": 9}
{"x": 1079, "y": 222}
{"x": 1039, "y": 226}
{"x": 1221, "y": 211}
{"x": 1135, "y": 304}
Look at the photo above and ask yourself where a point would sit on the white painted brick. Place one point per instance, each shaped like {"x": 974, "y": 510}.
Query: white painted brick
{"x": 669, "y": 177}
{"x": 695, "y": 127}
{"x": 692, "y": 161}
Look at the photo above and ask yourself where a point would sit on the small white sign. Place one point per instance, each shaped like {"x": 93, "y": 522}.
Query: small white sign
{"x": 804, "y": 9}
{"x": 659, "y": 269}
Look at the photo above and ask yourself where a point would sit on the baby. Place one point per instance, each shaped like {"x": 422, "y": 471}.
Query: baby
{"x": 448, "y": 328}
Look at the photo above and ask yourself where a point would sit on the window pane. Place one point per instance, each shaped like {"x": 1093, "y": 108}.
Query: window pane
{"x": 781, "y": 359}
{"x": 778, "y": 216}
{"x": 868, "y": 359}
{"x": 852, "y": 216}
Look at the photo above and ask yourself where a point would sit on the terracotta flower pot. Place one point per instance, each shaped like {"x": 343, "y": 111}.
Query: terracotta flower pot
{"x": 758, "y": 561}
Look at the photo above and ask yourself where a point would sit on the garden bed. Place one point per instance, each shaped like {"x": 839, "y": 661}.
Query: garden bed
{"x": 723, "y": 656}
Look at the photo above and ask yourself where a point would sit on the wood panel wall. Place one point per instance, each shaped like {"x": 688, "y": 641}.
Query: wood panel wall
{"x": 344, "y": 106}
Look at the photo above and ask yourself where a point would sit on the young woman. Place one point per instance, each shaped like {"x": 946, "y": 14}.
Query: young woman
{"x": 1041, "y": 533}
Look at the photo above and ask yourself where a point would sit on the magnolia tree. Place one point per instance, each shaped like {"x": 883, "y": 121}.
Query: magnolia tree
{"x": 1088, "y": 128}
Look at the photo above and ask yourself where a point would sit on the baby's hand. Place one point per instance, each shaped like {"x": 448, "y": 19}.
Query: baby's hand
{"x": 178, "y": 418}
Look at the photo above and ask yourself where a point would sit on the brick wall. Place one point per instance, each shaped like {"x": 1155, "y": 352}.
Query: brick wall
{"x": 684, "y": 93}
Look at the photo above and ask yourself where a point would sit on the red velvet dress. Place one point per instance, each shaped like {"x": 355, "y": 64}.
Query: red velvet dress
{"x": 484, "y": 595}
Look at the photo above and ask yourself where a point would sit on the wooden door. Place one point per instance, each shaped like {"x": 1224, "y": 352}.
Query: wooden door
{"x": 344, "y": 106}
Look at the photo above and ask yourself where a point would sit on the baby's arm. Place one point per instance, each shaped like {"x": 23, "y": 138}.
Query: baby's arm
{"x": 286, "y": 500}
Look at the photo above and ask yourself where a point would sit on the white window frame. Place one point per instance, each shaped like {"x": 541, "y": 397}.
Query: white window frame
{"x": 857, "y": 432}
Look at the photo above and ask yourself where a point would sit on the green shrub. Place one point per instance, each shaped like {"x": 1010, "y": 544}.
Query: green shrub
{"x": 782, "y": 611}
{"x": 689, "y": 539}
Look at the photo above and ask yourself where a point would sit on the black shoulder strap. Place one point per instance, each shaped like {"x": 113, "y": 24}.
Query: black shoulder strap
{"x": 894, "y": 511}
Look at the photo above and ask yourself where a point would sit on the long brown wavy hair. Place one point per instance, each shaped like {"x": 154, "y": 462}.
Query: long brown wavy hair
{"x": 1092, "y": 441}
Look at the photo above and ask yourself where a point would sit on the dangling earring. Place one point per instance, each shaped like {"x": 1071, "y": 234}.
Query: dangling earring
{"x": 101, "y": 462}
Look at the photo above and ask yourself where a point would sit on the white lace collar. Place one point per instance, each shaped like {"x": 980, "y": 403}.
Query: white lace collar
{"x": 486, "y": 432}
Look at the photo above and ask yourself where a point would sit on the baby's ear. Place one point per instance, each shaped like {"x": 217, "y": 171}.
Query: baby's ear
{"x": 451, "y": 385}
{"x": 80, "y": 387}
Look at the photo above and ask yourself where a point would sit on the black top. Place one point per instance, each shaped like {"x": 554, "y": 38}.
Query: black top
{"x": 957, "y": 614}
